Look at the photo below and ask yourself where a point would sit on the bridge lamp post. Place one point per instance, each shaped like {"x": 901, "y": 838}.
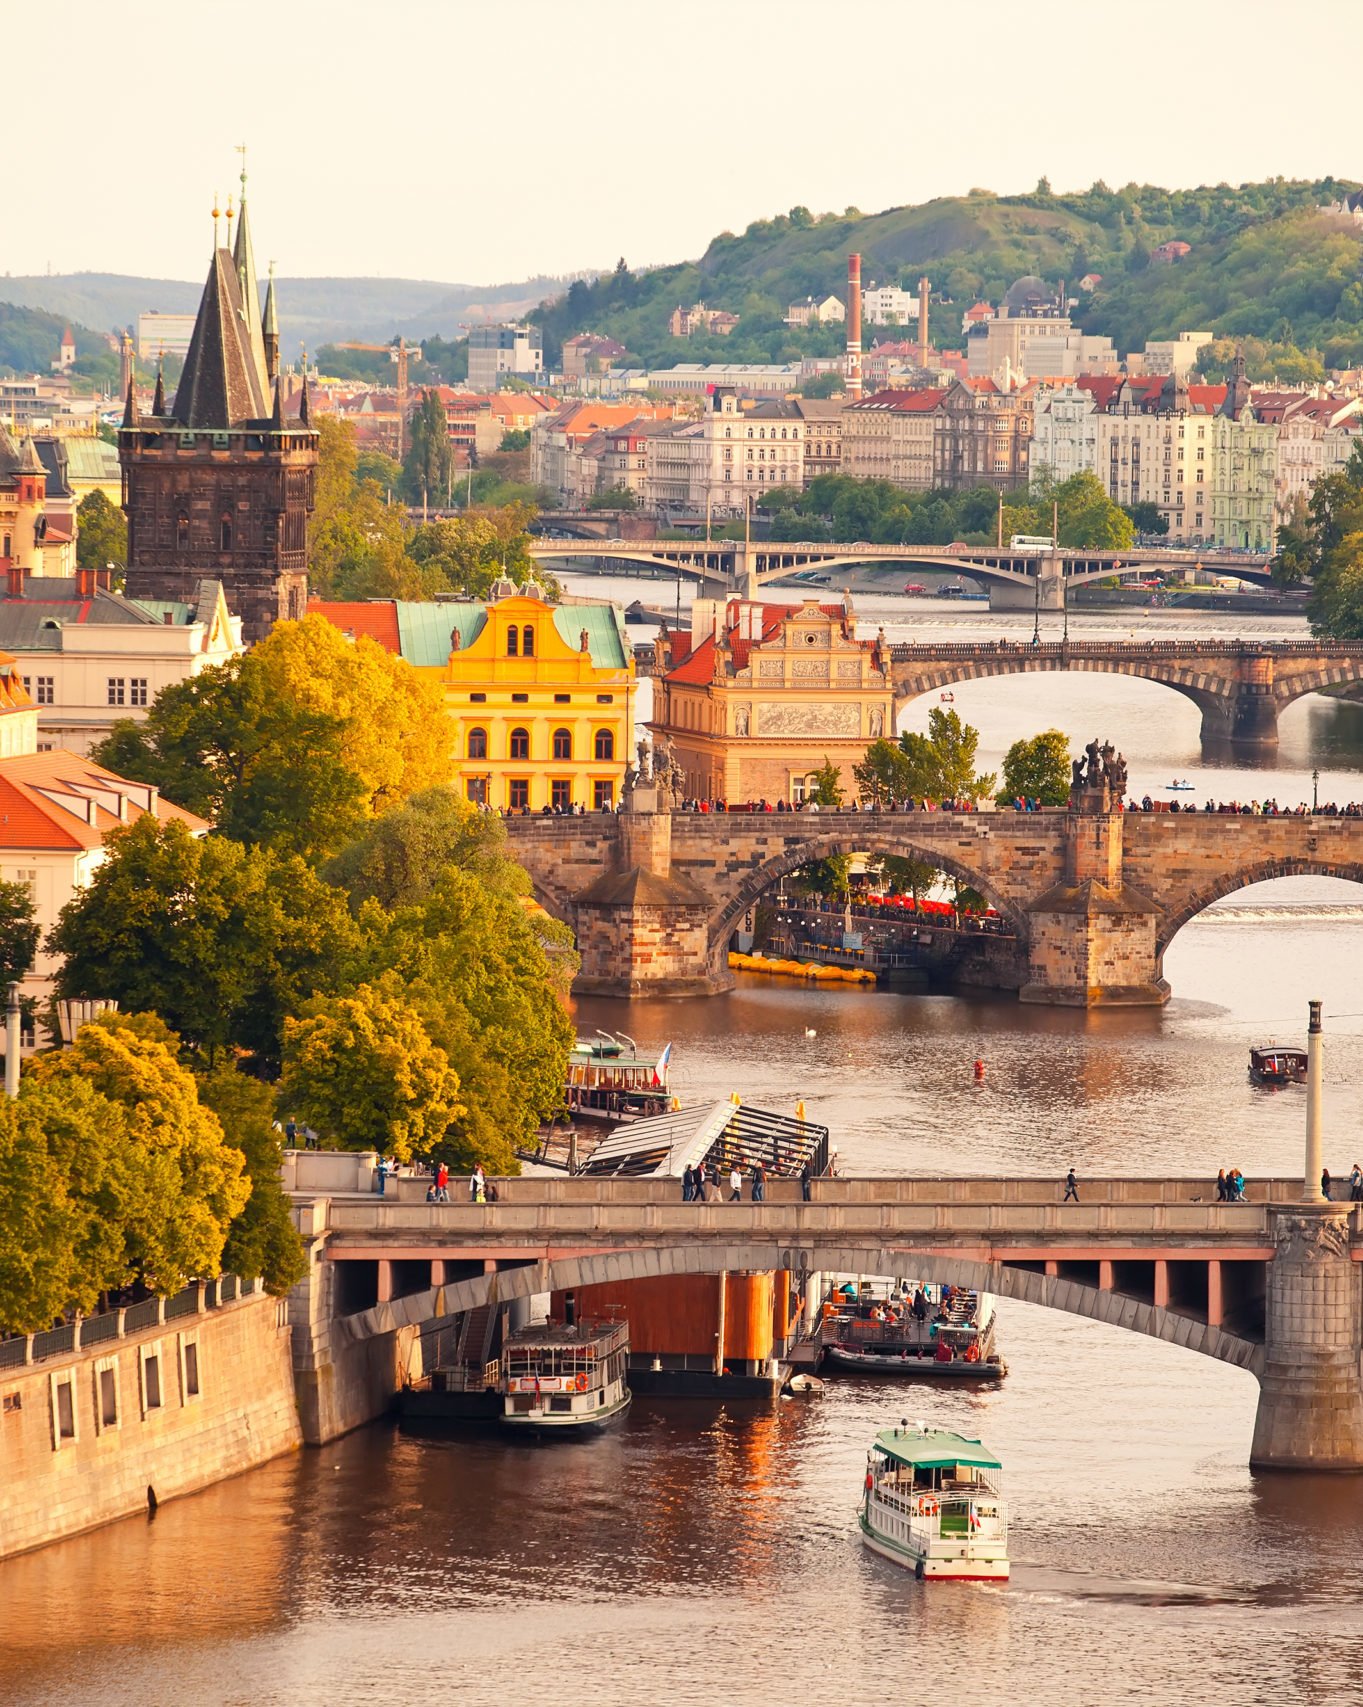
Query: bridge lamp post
{"x": 1310, "y": 1188}
{"x": 1315, "y": 790}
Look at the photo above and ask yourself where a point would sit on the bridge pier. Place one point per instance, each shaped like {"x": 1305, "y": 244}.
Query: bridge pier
{"x": 1018, "y": 595}
{"x": 1310, "y": 1414}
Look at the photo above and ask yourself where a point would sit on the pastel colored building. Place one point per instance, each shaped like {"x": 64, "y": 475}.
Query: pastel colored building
{"x": 542, "y": 695}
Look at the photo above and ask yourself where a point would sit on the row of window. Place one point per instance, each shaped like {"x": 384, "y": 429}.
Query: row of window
{"x": 152, "y": 1388}
{"x": 560, "y": 743}
{"x": 520, "y": 642}
{"x": 478, "y": 789}
{"x": 121, "y": 690}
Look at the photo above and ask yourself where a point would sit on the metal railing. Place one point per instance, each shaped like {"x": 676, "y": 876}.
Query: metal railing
{"x": 69, "y": 1338}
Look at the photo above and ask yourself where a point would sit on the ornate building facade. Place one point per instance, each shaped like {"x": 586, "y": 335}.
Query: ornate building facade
{"x": 220, "y": 485}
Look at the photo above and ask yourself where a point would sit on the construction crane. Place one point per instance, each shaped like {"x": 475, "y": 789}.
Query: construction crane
{"x": 401, "y": 352}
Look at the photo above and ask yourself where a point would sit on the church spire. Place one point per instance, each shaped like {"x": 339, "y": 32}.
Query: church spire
{"x": 130, "y": 406}
{"x": 158, "y": 403}
{"x": 270, "y": 330}
{"x": 244, "y": 259}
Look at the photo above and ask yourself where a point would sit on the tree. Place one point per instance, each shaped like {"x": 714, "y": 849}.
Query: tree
{"x": 19, "y": 932}
{"x": 468, "y": 553}
{"x": 614, "y": 498}
{"x": 38, "y": 1229}
{"x": 102, "y": 533}
{"x": 515, "y": 438}
{"x": 282, "y": 746}
{"x": 1147, "y": 517}
{"x": 830, "y": 877}
{"x": 397, "y": 860}
{"x": 884, "y": 775}
{"x": 1294, "y": 559}
{"x": 262, "y": 1240}
{"x": 196, "y": 1181}
{"x": 222, "y": 941}
{"x": 941, "y": 764}
{"x": 903, "y": 875}
{"x": 1037, "y": 769}
{"x": 363, "y": 1070}
{"x": 429, "y": 464}
{"x": 356, "y": 538}
{"x": 827, "y": 785}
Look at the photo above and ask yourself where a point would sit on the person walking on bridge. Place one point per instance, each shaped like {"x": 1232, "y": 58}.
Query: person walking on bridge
{"x": 735, "y": 1184}
{"x": 1071, "y": 1187}
{"x": 759, "y": 1183}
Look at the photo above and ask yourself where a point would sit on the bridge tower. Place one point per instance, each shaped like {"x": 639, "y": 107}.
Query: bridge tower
{"x": 1093, "y": 939}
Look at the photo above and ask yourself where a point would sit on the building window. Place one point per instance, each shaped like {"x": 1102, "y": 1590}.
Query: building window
{"x": 182, "y": 532}
{"x": 476, "y": 789}
{"x": 563, "y": 699}
{"x": 477, "y": 744}
{"x": 106, "y": 1394}
{"x": 520, "y": 699}
{"x": 45, "y": 693}
{"x": 527, "y": 642}
{"x": 520, "y": 744}
{"x": 152, "y": 1399}
{"x": 518, "y": 793}
{"x": 513, "y": 637}
{"x": 225, "y": 534}
{"x": 605, "y": 699}
{"x": 189, "y": 1370}
{"x": 561, "y": 794}
{"x": 563, "y": 744}
{"x": 137, "y": 690}
{"x": 603, "y": 796}
{"x": 116, "y": 689}
{"x": 477, "y": 699}
{"x": 63, "y": 1391}
{"x": 603, "y": 748}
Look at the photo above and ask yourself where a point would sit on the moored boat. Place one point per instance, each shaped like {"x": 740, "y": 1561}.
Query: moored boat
{"x": 564, "y": 1378}
{"x": 928, "y": 1332}
{"x": 933, "y": 1502}
{"x": 609, "y": 1080}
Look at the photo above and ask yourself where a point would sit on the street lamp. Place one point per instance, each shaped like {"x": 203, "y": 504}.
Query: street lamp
{"x": 1315, "y": 790}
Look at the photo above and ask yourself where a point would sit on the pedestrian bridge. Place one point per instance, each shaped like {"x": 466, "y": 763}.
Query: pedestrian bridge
{"x": 1271, "y": 1285}
{"x": 1015, "y": 579}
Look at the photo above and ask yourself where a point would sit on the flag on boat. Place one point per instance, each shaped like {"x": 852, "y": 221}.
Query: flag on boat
{"x": 660, "y": 1067}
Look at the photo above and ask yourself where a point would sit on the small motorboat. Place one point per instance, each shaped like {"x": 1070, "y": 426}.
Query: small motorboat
{"x": 947, "y": 698}
{"x": 1179, "y": 787}
{"x": 808, "y": 1385}
{"x": 1269, "y": 1065}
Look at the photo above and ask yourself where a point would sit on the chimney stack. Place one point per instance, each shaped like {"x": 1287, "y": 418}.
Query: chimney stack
{"x": 85, "y": 583}
{"x": 853, "y": 327}
{"x": 924, "y": 299}
{"x": 14, "y": 579}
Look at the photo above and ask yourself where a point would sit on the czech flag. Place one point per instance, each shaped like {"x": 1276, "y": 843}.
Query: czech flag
{"x": 661, "y": 1067}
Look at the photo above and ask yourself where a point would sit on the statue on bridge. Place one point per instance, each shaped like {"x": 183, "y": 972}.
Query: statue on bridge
{"x": 1098, "y": 778}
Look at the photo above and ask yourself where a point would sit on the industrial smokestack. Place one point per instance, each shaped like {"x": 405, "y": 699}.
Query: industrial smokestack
{"x": 924, "y": 298}
{"x": 1310, "y": 1189}
{"x": 854, "y": 327}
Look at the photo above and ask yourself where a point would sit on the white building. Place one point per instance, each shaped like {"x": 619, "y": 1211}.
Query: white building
{"x": 727, "y": 460}
{"x": 163, "y": 335}
{"x": 506, "y": 349}
{"x": 887, "y": 305}
{"x": 817, "y": 311}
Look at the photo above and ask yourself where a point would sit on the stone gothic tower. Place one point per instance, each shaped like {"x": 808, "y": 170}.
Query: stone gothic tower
{"x": 220, "y": 486}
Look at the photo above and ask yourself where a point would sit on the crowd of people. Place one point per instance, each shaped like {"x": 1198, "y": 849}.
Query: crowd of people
{"x": 1250, "y": 808}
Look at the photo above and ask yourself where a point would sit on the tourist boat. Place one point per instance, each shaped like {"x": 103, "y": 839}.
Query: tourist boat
{"x": 871, "y": 1330}
{"x": 1273, "y": 1066}
{"x": 609, "y": 1080}
{"x": 932, "y": 1501}
{"x": 564, "y": 1378}
{"x": 1179, "y": 787}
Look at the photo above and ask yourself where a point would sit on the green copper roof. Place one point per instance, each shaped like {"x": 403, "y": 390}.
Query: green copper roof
{"x": 934, "y": 1449}
{"x": 91, "y": 459}
{"x": 424, "y": 629}
{"x": 605, "y": 632}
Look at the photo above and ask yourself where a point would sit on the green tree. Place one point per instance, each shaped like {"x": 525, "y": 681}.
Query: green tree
{"x": 615, "y": 498}
{"x": 1295, "y": 556}
{"x": 429, "y": 465}
{"x": 885, "y": 775}
{"x": 19, "y": 932}
{"x": 831, "y": 877}
{"x": 222, "y": 941}
{"x": 942, "y": 762}
{"x": 102, "y": 533}
{"x": 282, "y": 745}
{"x": 356, "y": 540}
{"x": 1147, "y": 517}
{"x": 262, "y": 1240}
{"x": 364, "y": 1071}
{"x": 827, "y": 790}
{"x": 515, "y": 438}
{"x": 903, "y": 875}
{"x": 1038, "y": 769}
{"x": 469, "y": 552}
{"x": 397, "y": 860}
{"x": 39, "y": 1229}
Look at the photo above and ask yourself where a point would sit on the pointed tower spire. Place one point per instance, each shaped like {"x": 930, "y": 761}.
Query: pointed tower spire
{"x": 277, "y": 414}
{"x": 244, "y": 258}
{"x": 130, "y": 406}
{"x": 304, "y": 413}
{"x": 269, "y": 329}
{"x": 158, "y": 403}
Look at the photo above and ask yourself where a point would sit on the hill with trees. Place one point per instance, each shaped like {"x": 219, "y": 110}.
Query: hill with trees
{"x": 30, "y": 339}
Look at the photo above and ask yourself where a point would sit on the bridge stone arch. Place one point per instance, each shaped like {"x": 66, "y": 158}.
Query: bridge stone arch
{"x": 761, "y": 878}
{"x": 1229, "y": 882}
{"x": 1024, "y": 1285}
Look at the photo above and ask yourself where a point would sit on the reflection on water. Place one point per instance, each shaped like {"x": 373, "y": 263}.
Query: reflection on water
{"x": 710, "y": 1556}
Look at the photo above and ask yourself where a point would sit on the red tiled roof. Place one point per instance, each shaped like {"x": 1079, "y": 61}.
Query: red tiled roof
{"x": 378, "y": 618}
{"x": 902, "y": 402}
{"x": 48, "y": 801}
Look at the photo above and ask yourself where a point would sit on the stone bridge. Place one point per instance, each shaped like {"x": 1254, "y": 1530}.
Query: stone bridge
{"x": 1272, "y": 1286}
{"x": 1016, "y": 578}
{"x": 1094, "y": 897}
{"x": 1239, "y": 688}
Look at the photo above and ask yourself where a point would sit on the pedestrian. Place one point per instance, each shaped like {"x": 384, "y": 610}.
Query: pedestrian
{"x": 442, "y": 1183}
{"x": 688, "y": 1184}
{"x": 477, "y": 1184}
{"x": 735, "y": 1184}
{"x": 759, "y": 1183}
{"x": 1071, "y": 1187}
{"x": 381, "y": 1175}
{"x": 1222, "y": 1187}
{"x": 291, "y": 1133}
{"x": 1356, "y": 1184}
{"x": 806, "y": 1181}
{"x": 1325, "y": 1184}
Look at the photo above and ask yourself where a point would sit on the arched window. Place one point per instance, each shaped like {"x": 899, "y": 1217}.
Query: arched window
{"x": 563, "y": 743}
{"x": 477, "y": 743}
{"x": 181, "y": 532}
{"x": 604, "y": 747}
{"x": 527, "y": 642}
{"x": 512, "y": 642}
{"x": 520, "y": 743}
{"x": 225, "y": 534}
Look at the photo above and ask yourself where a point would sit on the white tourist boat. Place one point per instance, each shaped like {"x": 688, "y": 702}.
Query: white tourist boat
{"x": 932, "y": 1502}
{"x": 565, "y": 1378}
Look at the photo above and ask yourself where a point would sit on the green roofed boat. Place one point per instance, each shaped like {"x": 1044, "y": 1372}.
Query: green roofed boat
{"x": 933, "y": 1502}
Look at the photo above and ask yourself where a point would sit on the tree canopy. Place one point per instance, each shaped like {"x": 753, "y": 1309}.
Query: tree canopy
{"x": 1327, "y": 544}
{"x": 102, "y": 533}
{"x": 937, "y": 766}
{"x": 1038, "y": 769}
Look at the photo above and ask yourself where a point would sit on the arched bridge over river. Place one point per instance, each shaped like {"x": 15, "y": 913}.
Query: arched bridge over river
{"x": 1239, "y": 687}
{"x": 1272, "y": 1285}
{"x": 1093, "y": 897}
{"x": 1016, "y": 578}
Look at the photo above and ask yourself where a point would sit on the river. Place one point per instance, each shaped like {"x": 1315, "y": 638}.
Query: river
{"x": 710, "y": 1556}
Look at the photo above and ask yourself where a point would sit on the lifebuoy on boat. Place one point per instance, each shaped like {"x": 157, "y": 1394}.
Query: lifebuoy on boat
{"x": 927, "y": 1508}
{"x": 870, "y": 1481}
{"x": 581, "y": 1383}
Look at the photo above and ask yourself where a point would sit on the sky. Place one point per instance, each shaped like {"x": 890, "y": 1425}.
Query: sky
{"x": 485, "y": 141}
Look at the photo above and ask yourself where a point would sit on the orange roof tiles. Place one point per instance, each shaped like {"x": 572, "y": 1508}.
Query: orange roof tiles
{"x": 62, "y": 801}
{"x": 378, "y": 618}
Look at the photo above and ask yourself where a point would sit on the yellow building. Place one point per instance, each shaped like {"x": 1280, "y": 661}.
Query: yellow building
{"x": 542, "y": 695}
